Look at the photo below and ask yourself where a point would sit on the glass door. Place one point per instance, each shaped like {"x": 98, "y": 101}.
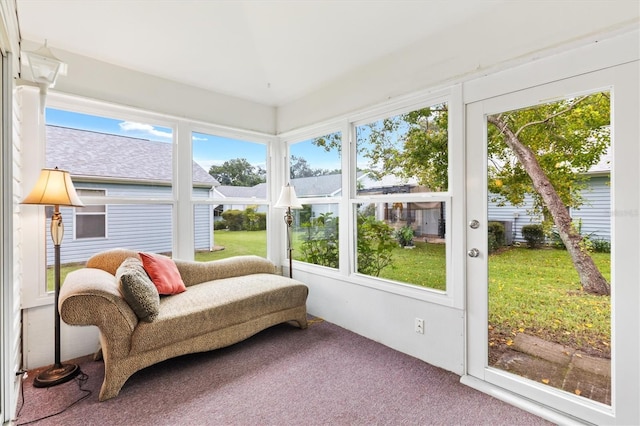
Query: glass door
{"x": 540, "y": 235}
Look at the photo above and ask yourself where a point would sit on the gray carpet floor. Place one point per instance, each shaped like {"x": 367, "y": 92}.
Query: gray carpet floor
{"x": 324, "y": 375}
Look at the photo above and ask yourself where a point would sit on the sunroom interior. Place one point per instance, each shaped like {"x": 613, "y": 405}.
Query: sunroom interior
{"x": 280, "y": 74}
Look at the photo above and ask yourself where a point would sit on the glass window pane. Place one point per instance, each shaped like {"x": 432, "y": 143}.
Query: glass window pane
{"x": 403, "y": 242}
{"x": 235, "y": 168}
{"x": 107, "y": 150}
{"x": 237, "y": 230}
{"x": 315, "y": 167}
{"x": 406, "y": 153}
{"x": 315, "y": 234}
{"x": 549, "y": 268}
{"x": 90, "y": 226}
{"x": 88, "y": 208}
{"x": 140, "y": 227}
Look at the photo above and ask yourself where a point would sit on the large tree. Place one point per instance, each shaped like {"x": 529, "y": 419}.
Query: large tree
{"x": 300, "y": 168}
{"x": 546, "y": 152}
{"x": 238, "y": 172}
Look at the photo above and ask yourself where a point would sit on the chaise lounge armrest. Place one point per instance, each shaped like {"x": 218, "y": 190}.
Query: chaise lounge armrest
{"x": 91, "y": 297}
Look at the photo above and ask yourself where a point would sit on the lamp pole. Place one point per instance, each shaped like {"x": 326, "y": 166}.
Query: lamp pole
{"x": 58, "y": 373}
{"x": 288, "y": 219}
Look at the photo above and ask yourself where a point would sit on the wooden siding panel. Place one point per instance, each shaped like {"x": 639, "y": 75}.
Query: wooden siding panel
{"x": 203, "y": 227}
{"x": 595, "y": 213}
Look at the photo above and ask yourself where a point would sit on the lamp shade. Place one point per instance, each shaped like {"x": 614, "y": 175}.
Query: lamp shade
{"x": 53, "y": 188}
{"x": 288, "y": 198}
{"x": 44, "y": 66}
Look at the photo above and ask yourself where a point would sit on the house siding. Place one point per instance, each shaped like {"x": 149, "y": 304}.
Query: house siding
{"x": 595, "y": 213}
{"x": 143, "y": 227}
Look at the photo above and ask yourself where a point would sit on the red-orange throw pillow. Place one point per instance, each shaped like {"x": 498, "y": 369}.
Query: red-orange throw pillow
{"x": 164, "y": 273}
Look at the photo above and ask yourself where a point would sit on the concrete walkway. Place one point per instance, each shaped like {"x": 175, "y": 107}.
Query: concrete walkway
{"x": 559, "y": 366}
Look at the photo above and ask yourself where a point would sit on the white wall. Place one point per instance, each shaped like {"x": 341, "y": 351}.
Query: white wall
{"x": 94, "y": 79}
{"x": 454, "y": 55}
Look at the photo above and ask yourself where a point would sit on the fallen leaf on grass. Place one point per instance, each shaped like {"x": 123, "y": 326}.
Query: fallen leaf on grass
{"x": 545, "y": 381}
{"x": 577, "y": 391}
{"x": 509, "y": 342}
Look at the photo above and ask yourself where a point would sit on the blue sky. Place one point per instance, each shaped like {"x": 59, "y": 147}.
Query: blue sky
{"x": 208, "y": 149}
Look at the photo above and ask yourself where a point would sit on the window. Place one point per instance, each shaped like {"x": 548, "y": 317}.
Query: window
{"x": 315, "y": 236}
{"x": 401, "y": 206}
{"x": 230, "y": 196}
{"x": 120, "y": 168}
{"x": 91, "y": 221}
{"x": 316, "y": 174}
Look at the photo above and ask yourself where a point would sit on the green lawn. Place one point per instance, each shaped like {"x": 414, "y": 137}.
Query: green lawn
{"x": 424, "y": 265}
{"x": 530, "y": 291}
{"x": 64, "y": 270}
{"x": 236, "y": 243}
{"x": 538, "y": 292}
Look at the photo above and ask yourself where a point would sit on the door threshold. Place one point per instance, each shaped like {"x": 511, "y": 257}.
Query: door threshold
{"x": 520, "y": 402}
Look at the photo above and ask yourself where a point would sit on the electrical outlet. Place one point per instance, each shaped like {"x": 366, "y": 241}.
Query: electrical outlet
{"x": 419, "y": 326}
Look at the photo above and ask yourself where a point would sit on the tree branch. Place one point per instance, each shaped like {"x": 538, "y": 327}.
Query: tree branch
{"x": 564, "y": 111}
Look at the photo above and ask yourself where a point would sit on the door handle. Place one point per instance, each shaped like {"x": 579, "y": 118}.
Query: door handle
{"x": 474, "y": 252}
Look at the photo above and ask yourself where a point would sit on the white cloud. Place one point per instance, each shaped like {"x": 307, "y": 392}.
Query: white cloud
{"x": 195, "y": 138}
{"x": 130, "y": 126}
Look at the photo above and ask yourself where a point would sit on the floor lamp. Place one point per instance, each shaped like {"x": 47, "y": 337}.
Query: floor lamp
{"x": 288, "y": 200}
{"x": 54, "y": 188}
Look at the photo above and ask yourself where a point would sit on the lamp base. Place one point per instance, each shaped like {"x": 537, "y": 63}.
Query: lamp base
{"x": 59, "y": 373}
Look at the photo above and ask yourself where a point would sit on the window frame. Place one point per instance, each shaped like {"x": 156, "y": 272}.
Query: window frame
{"x": 77, "y": 214}
{"x": 306, "y": 135}
{"x": 453, "y": 197}
{"x": 241, "y": 136}
{"x": 180, "y": 199}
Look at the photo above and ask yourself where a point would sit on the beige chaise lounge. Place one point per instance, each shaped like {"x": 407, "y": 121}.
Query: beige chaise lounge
{"x": 225, "y": 301}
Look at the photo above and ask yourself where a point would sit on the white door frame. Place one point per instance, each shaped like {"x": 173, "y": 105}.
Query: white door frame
{"x": 622, "y": 80}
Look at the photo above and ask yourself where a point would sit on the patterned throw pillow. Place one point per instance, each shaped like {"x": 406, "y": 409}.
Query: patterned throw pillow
{"x": 138, "y": 289}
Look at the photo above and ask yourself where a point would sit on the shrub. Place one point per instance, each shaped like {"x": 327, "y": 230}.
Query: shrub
{"x": 254, "y": 221}
{"x": 320, "y": 241}
{"x": 247, "y": 220}
{"x": 601, "y": 246}
{"x": 220, "y": 224}
{"x": 588, "y": 242}
{"x": 534, "y": 234}
{"x": 496, "y": 236}
{"x": 404, "y": 236}
{"x": 375, "y": 244}
{"x": 234, "y": 219}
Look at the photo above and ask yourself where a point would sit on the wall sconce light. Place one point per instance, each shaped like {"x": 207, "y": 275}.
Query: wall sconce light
{"x": 44, "y": 67}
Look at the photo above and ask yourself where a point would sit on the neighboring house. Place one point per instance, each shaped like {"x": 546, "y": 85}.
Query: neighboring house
{"x": 594, "y": 215}
{"x": 118, "y": 166}
{"x": 258, "y": 192}
{"x": 426, "y": 218}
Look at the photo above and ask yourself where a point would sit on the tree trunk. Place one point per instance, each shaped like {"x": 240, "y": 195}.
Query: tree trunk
{"x": 590, "y": 277}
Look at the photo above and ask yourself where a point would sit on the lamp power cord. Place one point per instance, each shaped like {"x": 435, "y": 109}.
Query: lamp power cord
{"x": 80, "y": 379}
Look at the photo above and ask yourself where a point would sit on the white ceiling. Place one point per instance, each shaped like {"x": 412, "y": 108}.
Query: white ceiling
{"x": 272, "y": 52}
